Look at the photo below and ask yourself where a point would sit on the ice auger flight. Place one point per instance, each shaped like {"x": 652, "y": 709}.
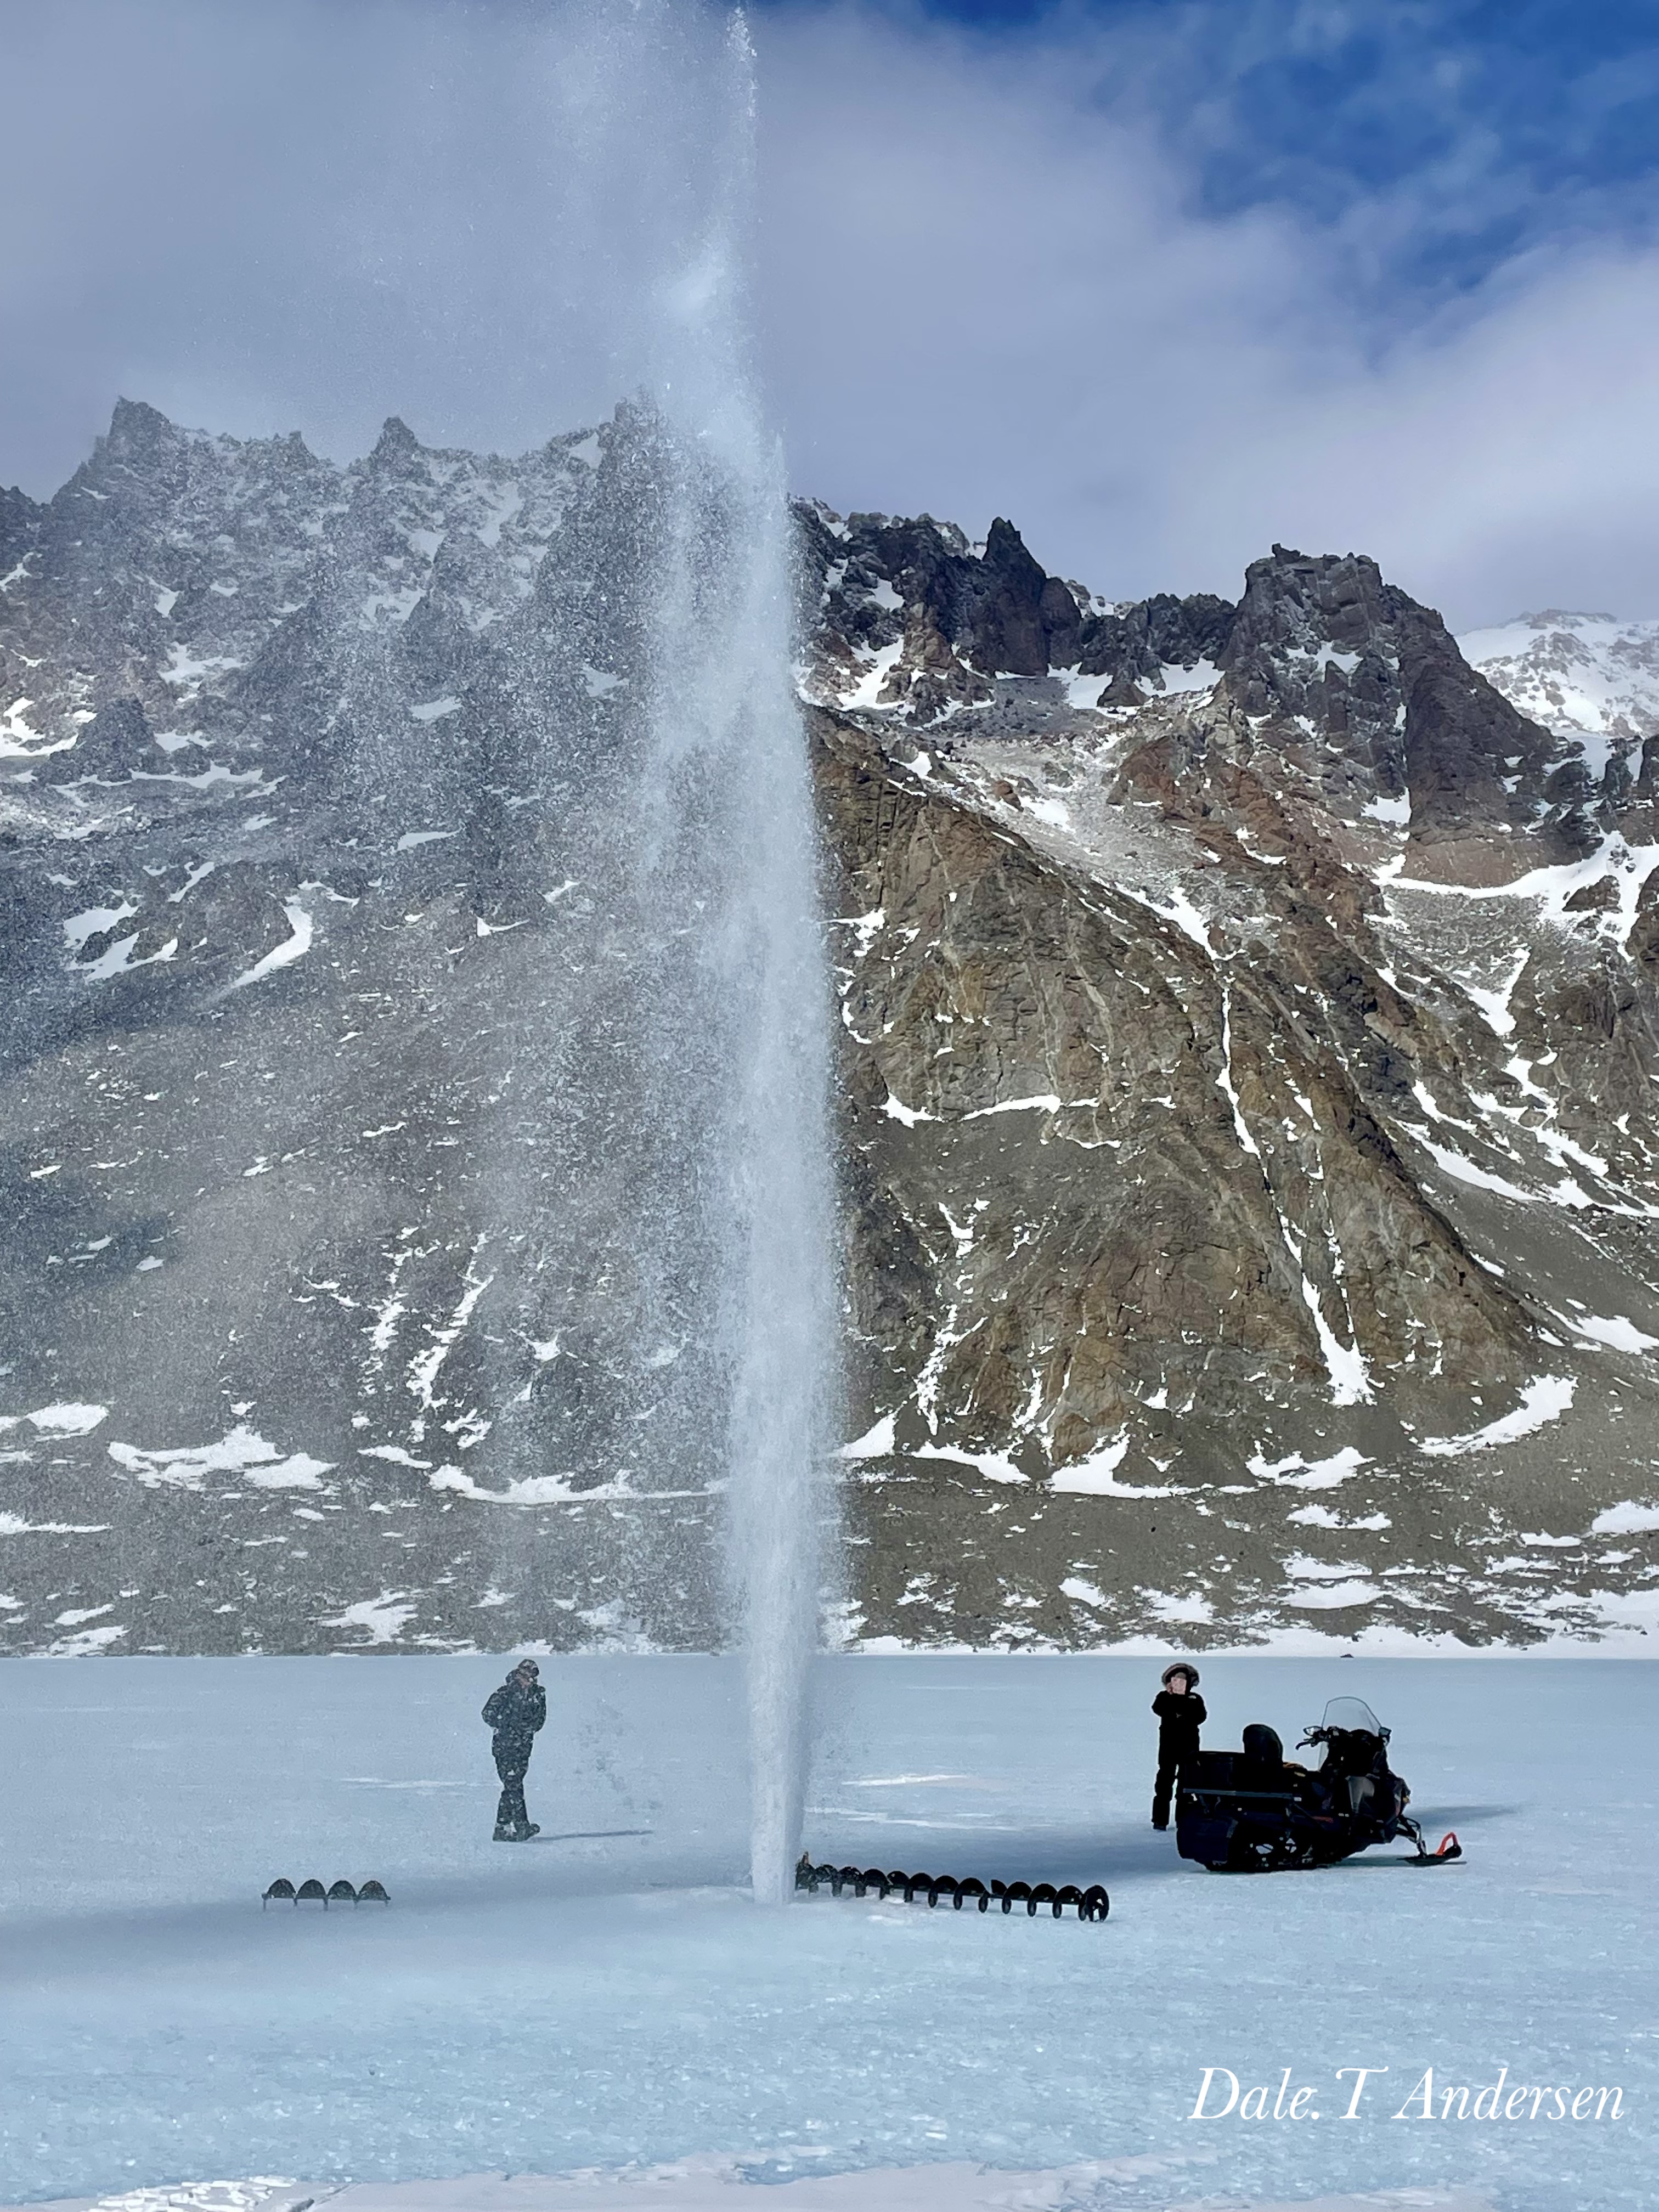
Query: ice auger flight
{"x": 1091, "y": 1904}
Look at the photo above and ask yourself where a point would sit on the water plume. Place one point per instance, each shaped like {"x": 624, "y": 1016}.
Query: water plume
{"x": 735, "y": 1198}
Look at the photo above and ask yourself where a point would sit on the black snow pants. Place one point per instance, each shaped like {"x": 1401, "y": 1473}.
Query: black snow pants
{"x": 1175, "y": 1754}
{"x": 512, "y": 1764}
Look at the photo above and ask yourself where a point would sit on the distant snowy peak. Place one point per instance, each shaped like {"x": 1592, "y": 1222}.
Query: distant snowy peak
{"x": 1580, "y": 675}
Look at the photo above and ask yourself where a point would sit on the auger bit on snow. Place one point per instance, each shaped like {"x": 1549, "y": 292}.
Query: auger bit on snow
{"x": 1091, "y": 1904}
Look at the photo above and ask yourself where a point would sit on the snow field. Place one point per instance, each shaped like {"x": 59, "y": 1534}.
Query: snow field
{"x": 608, "y": 1997}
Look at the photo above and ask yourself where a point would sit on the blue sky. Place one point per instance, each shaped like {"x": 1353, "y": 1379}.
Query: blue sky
{"x": 1390, "y": 269}
{"x": 1161, "y": 282}
{"x": 1494, "y": 124}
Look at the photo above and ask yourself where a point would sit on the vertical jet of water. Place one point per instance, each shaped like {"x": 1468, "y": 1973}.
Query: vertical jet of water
{"x": 739, "y": 1044}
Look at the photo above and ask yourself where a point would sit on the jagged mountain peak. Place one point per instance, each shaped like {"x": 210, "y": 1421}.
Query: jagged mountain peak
{"x": 136, "y": 427}
{"x": 397, "y": 441}
{"x": 1333, "y": 692}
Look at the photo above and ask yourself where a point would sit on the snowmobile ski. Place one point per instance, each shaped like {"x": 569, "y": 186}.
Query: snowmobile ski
{"x": 1446, "y": 1852}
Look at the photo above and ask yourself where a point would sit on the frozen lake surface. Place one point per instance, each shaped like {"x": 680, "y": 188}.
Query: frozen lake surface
{"x": 608, "y": 1997}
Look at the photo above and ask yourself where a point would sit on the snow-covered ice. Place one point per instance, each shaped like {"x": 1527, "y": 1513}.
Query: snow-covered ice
{"x": 608, "y": 1997}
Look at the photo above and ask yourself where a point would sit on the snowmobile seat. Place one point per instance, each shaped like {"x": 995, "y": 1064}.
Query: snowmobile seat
{"x": 1227, "y": 1799}
{"x": 1263, "y": 1757}
{"x": 1232, "y": 1774}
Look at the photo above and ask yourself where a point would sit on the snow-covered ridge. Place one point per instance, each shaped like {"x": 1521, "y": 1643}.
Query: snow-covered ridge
{"x": 1589, "y": 676}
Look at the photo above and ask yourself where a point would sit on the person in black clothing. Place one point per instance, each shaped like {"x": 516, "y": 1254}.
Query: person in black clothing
{"x": 1181, "y": 1715}
{"x": 515, "y": 1711}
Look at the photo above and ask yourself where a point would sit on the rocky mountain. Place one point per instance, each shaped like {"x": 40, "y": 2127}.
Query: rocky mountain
{"x": 1250, "y": 1031}
{"x": 1588, "y": 677}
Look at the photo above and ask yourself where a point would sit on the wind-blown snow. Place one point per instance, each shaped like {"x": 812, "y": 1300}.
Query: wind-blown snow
{"x": 93, "y": 922}
{"x": 1397, "y": 813}
{"x": 240, "y": 1452}
{"x": 381, "y": 1618}
{"x": 1096, "y": 1476}
{"x": 866, "y": 694}
{"x": 896, "y": 1110}
{"x": 1627, "y": 866}
{"x": 549, "y": 1490}
{"x": 118, "y": 960}
{"x": 995, "y": 1467}
{"x": 875, "y": 1443}
{"x": 19, "y": 738}
{"x": 14, "y": 1524}
{"x": 1203, "y": 676}
{"x": 1187, "y": 919}
{"x": 1627, "y": 1519}
{"x": 68, "y": 1420}
{"x": 1046, "y": 1102}
{"x": 1298, "y": 1474}
{"x": 1615, "y": 1330}
{"x": 293, "y": 947}
{"x": 1544, "y": 1399}
{"x": 1324, "y": 1585}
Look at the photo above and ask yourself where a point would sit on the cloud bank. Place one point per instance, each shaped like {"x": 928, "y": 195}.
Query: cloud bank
{"x": 992, "y": 274}
{"x": 994, "y": 289}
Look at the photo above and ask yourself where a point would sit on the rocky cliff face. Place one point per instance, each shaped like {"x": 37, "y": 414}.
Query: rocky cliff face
{"x": 1249, "y": 1038}
{"x": 1250, "y": 1030}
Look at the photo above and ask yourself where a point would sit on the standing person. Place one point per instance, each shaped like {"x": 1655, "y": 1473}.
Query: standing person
{"x": 515, "y": 1711}
{"x": 1181, "y": 1715}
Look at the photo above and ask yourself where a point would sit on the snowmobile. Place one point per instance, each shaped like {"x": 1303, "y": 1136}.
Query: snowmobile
{"x": 1253, "y": 1812}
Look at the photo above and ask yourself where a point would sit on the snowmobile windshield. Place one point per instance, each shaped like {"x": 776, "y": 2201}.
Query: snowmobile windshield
{"x": 1353, "y": 1715}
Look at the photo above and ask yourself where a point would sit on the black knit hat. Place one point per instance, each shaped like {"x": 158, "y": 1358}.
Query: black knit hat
{"x": 1179, "y": 1666}
{"x": 527, "y": 1666}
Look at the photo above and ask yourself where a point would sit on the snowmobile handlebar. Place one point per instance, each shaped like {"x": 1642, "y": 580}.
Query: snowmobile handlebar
{"x": 1322, "y": 1735}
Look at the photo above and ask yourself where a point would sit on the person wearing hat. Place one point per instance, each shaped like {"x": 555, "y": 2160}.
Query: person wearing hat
{"x": 1181, "y": 1715}
{"x": 515, "y": 1711}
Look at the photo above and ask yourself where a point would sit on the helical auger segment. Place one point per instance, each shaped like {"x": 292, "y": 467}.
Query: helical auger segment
{"x": 1091, "y": 1904}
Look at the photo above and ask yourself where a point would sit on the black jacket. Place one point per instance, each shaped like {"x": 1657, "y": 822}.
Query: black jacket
{"x": 1179, "y": 1720}
{"x": 514, "y": 1712}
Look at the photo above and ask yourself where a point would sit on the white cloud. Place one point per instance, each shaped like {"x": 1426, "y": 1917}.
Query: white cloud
{"x": 988, "y": 277}
{"x": 990, "y": 293}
